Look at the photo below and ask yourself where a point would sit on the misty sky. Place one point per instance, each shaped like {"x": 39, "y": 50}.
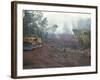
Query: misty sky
{"x": 64, "y": 20}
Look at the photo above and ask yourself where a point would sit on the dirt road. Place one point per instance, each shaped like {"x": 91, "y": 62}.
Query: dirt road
{"x": 48, "y": 56}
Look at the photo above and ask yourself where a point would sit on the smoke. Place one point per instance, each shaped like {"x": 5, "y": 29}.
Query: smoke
{"x": 66, "y": 21}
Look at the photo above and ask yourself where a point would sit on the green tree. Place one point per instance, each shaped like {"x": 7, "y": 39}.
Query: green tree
{"x": 34, "y": 24}
{"x": 83, "y": 33}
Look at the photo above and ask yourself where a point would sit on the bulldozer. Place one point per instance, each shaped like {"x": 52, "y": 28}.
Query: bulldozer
{"x": 30, "y": 43}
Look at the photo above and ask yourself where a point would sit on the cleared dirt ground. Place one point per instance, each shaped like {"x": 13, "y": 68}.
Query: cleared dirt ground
{"x": 54, "y": 53}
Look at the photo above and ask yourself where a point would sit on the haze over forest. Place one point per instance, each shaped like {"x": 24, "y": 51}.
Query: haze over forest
{"x": 67, "y": 21}
{"x": 64, "y": 22}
